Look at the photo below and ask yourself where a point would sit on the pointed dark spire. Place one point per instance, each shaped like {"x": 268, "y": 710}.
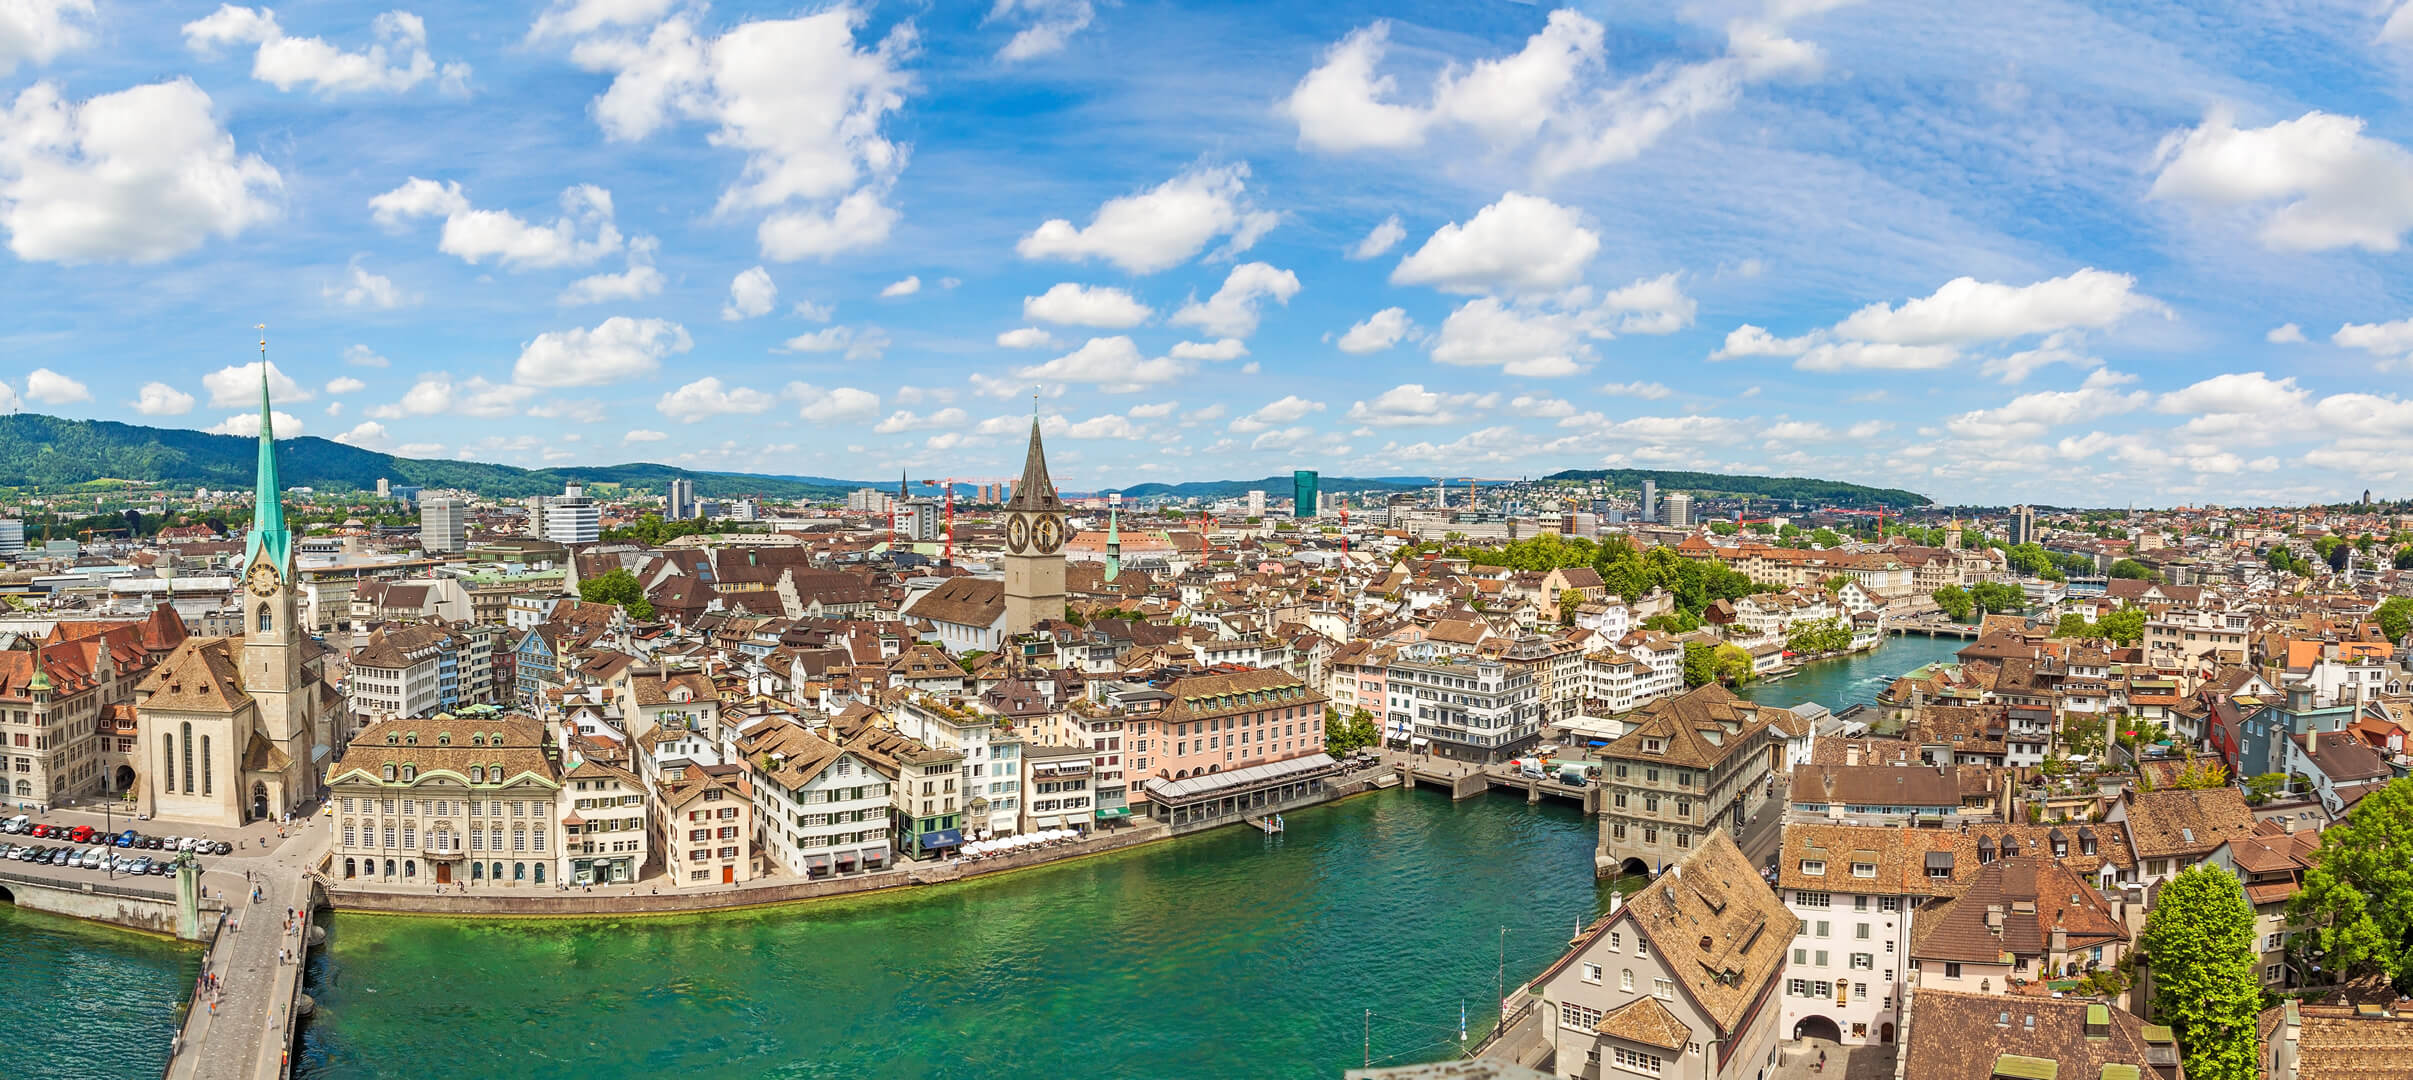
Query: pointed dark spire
{"x": 1035, "y": 492}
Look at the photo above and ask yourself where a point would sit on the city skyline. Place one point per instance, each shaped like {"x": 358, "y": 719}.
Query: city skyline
{"x": 1762, "y": 238}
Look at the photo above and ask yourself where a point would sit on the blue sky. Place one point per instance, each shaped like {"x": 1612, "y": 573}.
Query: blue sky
{"x": 2137, "y": 252}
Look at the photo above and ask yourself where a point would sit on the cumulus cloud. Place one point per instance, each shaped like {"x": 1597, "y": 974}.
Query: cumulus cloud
{"x": 583, "y": 234}
{"x": 1411, "y": 405}
{"x": 868, "y": 343}
{"x": 367, "y": 435}
{"x": 345, "y": 384}
{"x": 841, "y": 404}
{"x": 1161, "y": 227}
{"x": 160, "y": 399}
{"x": 363, "y": 356}
{"x": 1028, "y": 337}
{"x": 1109, "y": 426}
{"x": 239, "y": 384}
{"x": 1934, "y": 330}
{"x": 1488, "y": 332}
{"x": 907, "y": 287}
{"x": 1377, "y": 332}
{"x": 639, "y": 281}
{"x": 362, "y": 289}
{"x": 2029, "y": 416}
{"x": 1283, "y": 410}
{"x": 642, "y": 435}
{"x": 51, "y": 388}
{"x": 397, "y": 61}
{"x": 751, "y": 293}
{"x": 247, "y": 425}
{"x": 39, "y": 30}
{"x": 707, "y": 397}
{"x": 2316, "y": 182}
{"x": 904, "y": 420}
{"x": 1069, "y": 304}
{"x": 801, "y": 98}
{"x": 437, "y": 393}
{"x": 1648, "y": 391}
{"x": 1232, "y": 311}
{"x": 617, "y": 349}
{"x": 1522, "y": 243}
{"x": 1045, "y": 25}
{"x": 1217, "y": 350}
{"x": 2391, "y": 342}
{"x": 2285, "y": 334}
{"x": 140, "y": 175}
{"x": 1114, "y": 364}
{"x": 1380, "y": 240}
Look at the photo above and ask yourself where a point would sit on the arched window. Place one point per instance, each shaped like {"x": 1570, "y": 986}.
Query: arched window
{"x": 389, "y": 772}
{"x": 477, "y": 871}
{"x": 207, "y": 788}
{"x": 540, "y": 873}
{"x": 25, "y": 787}
{"x": 476, "y": 739}
{"x": 411, "y": 739}
{"x": 410, "y": 772}
{"x": 494, "y": 772}
{"x": 444, "y": 738}
{"x": 477, "y": 774}
{"x": 349, "y": 868}
{"x": 267, "y": 621}
{"x": 167, "y": 760}
{"x": 410, "y": 868}
{"x": 188, "y": 757}
{"x": 389, "y": 868}
{"x": 519, "y": 871}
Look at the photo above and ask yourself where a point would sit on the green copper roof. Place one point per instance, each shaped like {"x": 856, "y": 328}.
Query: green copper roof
{"x": 268, "y": 532}
{"x": 2022, "y": 1067}
{"x": 1114, "y": 544}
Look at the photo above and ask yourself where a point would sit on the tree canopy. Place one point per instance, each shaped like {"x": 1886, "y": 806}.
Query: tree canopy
{"x": 1819, "y": 636}
{"x": 2357, "y": 899}
{"x": 620, "y": 588}
{"x": 1955, "y": 601}
{"x": 1996, "y": 596}
{"x": 2199, "y": 937}
{"x": 2395, "y": 615}
{"x": 1632, "y": 574}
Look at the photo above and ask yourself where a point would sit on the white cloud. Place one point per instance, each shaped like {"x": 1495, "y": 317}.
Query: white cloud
{"x": 707, "y": 397}
{"x": 140, "y": 175}
{"x": 397, "y": 61}
{"x": 1379, "y": 331}
{"x": 1932, "y": 331}
{"x": 617, "y": 349}
{"x": 367, "y": 435}
{"x": 1521, "y": 243}
{"x": 1519, "y": 341}
{"x": 1218, "y": 350}
{"x": 2328, "y": 184}
{"x": 436, "y": 393}
{"x": 1069, "y": 304}
{"x": 1162, "y": 227}
{"x": 903, "y": 420}
{"x": 840, "y": 404}
{"x": 2285, "y": 334}
{"x": 579, "y": 410}
{"x": 806, "y": 309}
{"x": 1548, "y": 408}
{"x": 473, "y": 235}
{"x": 2029, "y": 416}
{"x": 345, "y": 384}
{"x": 1381, "y": 239}
{"x": 1232, "y": 311}
{"x": 1648, "y": 306}
{"x": 51, "y": 388}
{"x": 160, "y": 399}
{"x": 2016, "y": 367}
{"x": 1411, "y": 405}
{"x": 1109, "y": 426}
{"x": 799, "y": 97}
{"x": 363, "y": 356}
{"x": 1157, "y": 411}
{"x": 1028, "y": 337}
{"x": 1114, "y": 364}
{"x": 1862, "y": 355}
{"x": 1048, "y": 24}
{"x": 364, "y": 289}
{"x": 751, "y": 293}
{"x": 643, "y": 435}
{"x": 638, "y": 282}
{"x": 575, "y": 18}
{"x": 240, "y": 385}
{"x": 869, "y": 343}
{"x": 247, "y": 425}
{"x": 2234, "y": 393}
{"x": 2390, "y": 341}
{"x": 907, "y": 287}
{"x": 1339, "y": 105}
{"x": 1280, "y": 411}
{"x": 1647, "y": 391}
{"x": 39, "y": 30}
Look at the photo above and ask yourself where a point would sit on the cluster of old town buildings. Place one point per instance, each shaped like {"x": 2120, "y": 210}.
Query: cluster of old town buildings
{"x": 1957, "y": 868}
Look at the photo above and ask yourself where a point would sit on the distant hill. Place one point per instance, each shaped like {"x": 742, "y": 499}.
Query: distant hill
{"x": 1274, "y": 487}
{"x": 1793, "y": 488}
{"x": 53, "y": 452}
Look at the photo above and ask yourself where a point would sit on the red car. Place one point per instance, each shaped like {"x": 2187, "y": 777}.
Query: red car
{"x": 83, "y": 834}
{"x": 42, "y": 830}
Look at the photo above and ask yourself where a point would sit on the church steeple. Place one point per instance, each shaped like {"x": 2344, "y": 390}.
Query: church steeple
{"x": 1035, "y": 492}
{"x": 268, "y": 532}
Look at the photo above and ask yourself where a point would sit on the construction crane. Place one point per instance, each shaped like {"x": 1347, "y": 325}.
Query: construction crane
{"x": 949, "y": 487}
{"x": 1441, "y": 489}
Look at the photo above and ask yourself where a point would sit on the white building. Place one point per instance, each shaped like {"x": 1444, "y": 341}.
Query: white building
{"x": 443, "y": 526}
{"x": 819, "y": 810}
{"x": 992, "y": 759}
{"x": 571, "y": 517}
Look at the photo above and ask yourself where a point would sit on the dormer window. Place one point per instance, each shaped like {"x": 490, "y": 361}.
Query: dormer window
{"x": 477, "y": 774}
{"x": 1864, "y": 870}
{"x": 1654, "y": 746}
{"x": 1814, "y": 867}
{"x": 392, "y": 739}
{"x": 411, "y": 739}
{"x": 444, "y": 738}
{"x": 389, "y": 772}
{"x": 410, "y": 773}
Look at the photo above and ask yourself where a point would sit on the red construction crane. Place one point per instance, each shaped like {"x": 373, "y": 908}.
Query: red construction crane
{"x": 950, "y": 483}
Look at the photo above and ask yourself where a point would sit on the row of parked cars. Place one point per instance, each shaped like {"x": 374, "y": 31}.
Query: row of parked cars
{"x": 97, "y": 858}
{"x": 85, "y": 834}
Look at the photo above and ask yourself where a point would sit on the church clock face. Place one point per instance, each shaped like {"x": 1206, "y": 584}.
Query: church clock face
{"x": 1050, "y": 534}
{"x": 263, "y": 581}
{"x": 1018, "y": 533}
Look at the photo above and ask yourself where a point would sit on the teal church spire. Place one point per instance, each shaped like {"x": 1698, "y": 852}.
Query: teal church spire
{"x": 268, "y": 533}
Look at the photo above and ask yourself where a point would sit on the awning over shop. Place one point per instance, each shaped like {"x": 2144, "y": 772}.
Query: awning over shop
{"x": 1419, "y": 741}
{"x": 942, "y": 838}
{"x": 816, "y": 862}
{"x": 1175, "y": 791}
{"x": 1112, "y": 812}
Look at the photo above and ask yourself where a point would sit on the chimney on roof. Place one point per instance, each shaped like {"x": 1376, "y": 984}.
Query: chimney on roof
{"x": 1994, "y": 919}
{"x": 2060, "y": 939}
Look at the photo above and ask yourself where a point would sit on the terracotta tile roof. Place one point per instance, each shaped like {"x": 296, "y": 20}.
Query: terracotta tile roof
{"x": 1717, "y": 928}
{"x": 2180, "y": 822}
{"x": 199, "y": 676}
{"x": 1696, "y": 729}
{"x": 962, "y": 601}
{"x": 1202, "y": 696}
{"x": 2335, "y": 1045}
{"x": 2033, "y": 896}
{"x": 1643, "y": 1020}
{"x": 1955, "y": 1036}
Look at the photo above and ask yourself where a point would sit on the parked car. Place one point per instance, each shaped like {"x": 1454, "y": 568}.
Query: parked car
{"x": 17, "y": 824}
{"x": 221, "y": 848}
{"x": 83, "y": 834}
{"x": 127, "y": 838}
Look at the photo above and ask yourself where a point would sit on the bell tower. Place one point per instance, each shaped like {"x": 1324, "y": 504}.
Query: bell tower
{"x": 1034, "y": 545}
{"x": 272, "y": 654}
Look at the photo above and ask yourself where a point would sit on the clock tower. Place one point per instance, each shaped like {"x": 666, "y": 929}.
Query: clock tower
{"x": 1034, "y": 546}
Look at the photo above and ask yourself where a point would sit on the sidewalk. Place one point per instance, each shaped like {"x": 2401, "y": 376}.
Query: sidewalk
{"x": 248, "y": 1035}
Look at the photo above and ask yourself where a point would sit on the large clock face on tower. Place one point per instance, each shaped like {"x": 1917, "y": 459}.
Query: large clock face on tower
{"x": 263, "y": 581}
{"x": 1017, "y": 533}
{"x": 1050, "y": 534}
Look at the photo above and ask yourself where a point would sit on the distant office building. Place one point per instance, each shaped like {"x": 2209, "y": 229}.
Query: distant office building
{"x": 443, "y": 526}
{"x": 1256, "y": 504}
{"x": 2023, "y": 524}
{"x": 744, "y": 510}
{"x": 1305, "y": 496}
{"x": 918, "y": 521}
{"x": 1650, "y": 500}
{"x": 571, "y": 517}
{"x": 384, "y": 488}
{"x": 406, "y": 493}
{"x": 1679, "y": 510}
{"x": 870, "y": 501}
{"x": 12, "y": 538}
{"x": 680, "y": 502}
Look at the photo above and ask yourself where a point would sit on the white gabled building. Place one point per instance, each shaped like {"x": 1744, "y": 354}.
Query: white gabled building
{"x": 819, "y": 810}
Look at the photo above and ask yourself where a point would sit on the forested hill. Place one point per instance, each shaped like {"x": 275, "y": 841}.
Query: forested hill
{"x": 1791, "y": 488}
{"x": 52, "y": 452}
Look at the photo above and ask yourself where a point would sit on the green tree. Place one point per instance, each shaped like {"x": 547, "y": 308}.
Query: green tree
{"x": 1733, "y": 665}
{"x": 1999, "y": 596}
{"x": 1825, "y": 537}
{"x": 2134, "y": 570}
{"x": 2074, "y": 625}
{"x": 2199, "y": 937}
{"x": 1700, "y": 663}
{"x": 2403, "y": 559}
{"x": 1724, "y": 528}
{"x": 2395, "y": 615}
{"x": 1350, "y": 734}
{"x": 1819, "y": 636}
{"x": 2206, "y": 776}
{"x": 2124, "y": 627}
{"x": 1568, "y": 601}
{"x": 1955, "y": 601}
{"x": 2357, "y": 900}
{"x": 2259, "y": 789}
{"x": 619, "y": 588}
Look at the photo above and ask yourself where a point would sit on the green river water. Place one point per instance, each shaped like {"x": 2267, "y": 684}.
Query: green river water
{"x": 87, "y": 1002}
